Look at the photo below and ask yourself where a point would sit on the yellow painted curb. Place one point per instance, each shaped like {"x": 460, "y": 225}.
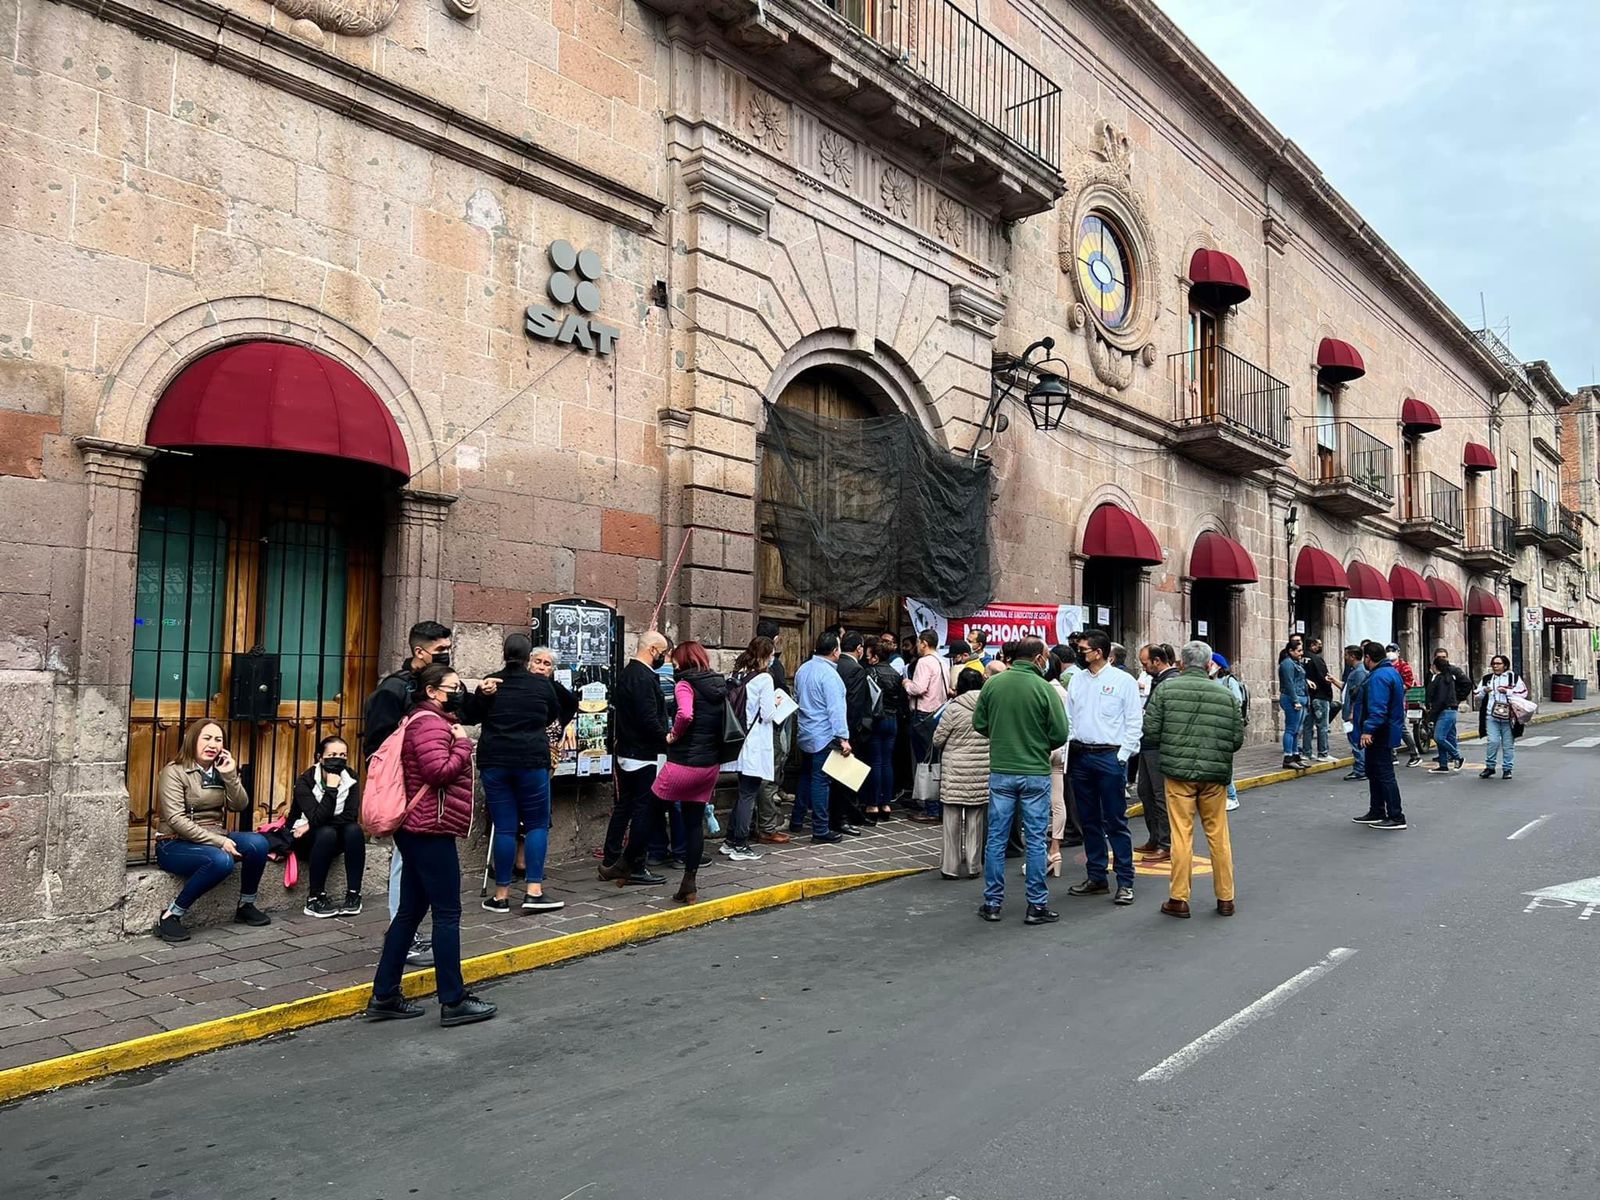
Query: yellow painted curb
{"x": 173, "y": 1044}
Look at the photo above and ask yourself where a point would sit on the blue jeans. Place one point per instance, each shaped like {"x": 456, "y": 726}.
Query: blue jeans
{"x": 1314, "y": 728}
{"x": 1501, "y": 744}
{"x": 1006, "y": 794}
{"x": 1444, "y": 736}
{"x": 1383, "y": 789}
{"x": 206, "y": 866}
{"x": 1359, "y": 767}
{"x": 812, "y": 794}
{"x": 1097, "y": 783}
{"x": 1293, "y": 718}
{"x": 519, "y": 806}
{"x": 880, "y": 757}
{"x": 429, "y": 879}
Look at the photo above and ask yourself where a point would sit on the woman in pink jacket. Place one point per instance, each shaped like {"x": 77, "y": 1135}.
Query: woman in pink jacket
{"x": 436, "y": 757}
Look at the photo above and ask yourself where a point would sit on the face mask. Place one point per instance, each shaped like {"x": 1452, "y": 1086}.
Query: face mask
{"x": 1393, "y": 656}
{"x": 440, "y": 658}
{"x": 335, "y": 766}
{"x": 453, "y": 700}
{"x": 1081, "y": 659}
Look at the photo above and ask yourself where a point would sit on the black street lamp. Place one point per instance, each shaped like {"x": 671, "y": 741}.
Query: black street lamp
{"x": 1291, "y": 527}
{"x": 1046, "y": 400}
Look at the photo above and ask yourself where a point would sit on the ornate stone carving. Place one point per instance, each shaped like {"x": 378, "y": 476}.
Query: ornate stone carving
{"x": 353, "y": 18}
{"x": 838, "y": 157}
{"x": 462, "y": 10}
{"x": 1113, "y": 147}
{"x": 769, "y": 122}
{"x": 896, "y": 190}
{"x": 950, "y": 221}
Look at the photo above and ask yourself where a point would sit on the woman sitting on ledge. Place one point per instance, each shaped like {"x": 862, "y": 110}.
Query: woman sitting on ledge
{"x": 196, "y": 792}
{"x": 327, "y": 819}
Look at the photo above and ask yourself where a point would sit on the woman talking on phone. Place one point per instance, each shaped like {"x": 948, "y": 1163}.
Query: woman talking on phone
{"x": 196, "y": 791}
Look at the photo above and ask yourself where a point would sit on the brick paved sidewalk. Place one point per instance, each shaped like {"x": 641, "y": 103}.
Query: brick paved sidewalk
{"x": 60, "y": 1003}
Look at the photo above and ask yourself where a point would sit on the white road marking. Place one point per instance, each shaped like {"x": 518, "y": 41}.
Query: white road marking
{"x": 1535, "y": 741}
{"x": 1529, "y": 827}
{"x": 1246, "y": 1016}
{"x": 1579, "y": 891}
{"x": 1583, "y": 743}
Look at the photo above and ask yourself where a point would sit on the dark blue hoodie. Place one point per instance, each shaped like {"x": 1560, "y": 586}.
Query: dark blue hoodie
{"x": 1383, "y": 705}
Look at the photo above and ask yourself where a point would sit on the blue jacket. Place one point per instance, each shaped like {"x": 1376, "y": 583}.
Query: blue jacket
{"x": 1355, "y": 682}
{"x": 819, "y": 691}
{"x": 1292, "y": 681}
{"x": 1383, "y": 705}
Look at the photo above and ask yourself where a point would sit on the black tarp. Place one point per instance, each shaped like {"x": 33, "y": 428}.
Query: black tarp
{"x": 862, "y": 509}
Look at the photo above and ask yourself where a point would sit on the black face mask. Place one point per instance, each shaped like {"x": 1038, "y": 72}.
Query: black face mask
{"x": 335, "y": 766}
{"x": 1081, "y": 659}
{"x": 454, "y": 700}
{"x": 440, "y": 658}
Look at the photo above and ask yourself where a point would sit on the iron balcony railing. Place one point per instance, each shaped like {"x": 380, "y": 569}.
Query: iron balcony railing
{"x": 968, "y": 64}
{"x": 1214, "y": 386}
{"x": 1342, "y": 453}
{"x": 1489, "y": 530}
{"x": 1533, "y": 512}
{"x": 1569, "y": 526}
{"x": 1426, "y": 496}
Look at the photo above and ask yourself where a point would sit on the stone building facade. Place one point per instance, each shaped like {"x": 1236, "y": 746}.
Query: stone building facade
{"x": 544, "y": 261}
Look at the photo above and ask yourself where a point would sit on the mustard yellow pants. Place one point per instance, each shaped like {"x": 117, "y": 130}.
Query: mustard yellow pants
{"x": 1184, "y": 799}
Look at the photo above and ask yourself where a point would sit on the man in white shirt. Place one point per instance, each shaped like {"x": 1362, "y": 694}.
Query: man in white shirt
{"x": 1107, "y": 719}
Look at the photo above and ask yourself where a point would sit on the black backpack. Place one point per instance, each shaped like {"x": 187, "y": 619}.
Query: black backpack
{"x": 734, "y": 726}
{"x": 1463, "y": 685}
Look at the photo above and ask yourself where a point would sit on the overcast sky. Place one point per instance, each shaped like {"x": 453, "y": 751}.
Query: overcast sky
{"x": 1467, "y": 132}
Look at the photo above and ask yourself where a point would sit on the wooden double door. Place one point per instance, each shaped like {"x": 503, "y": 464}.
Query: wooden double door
{"x": 826, "y": 394}
{"x": 257, "y": 606}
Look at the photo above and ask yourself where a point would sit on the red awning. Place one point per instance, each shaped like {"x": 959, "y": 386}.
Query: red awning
{"x": 1116, "y": 533}
{"x": 1222, "y": 559}
{"x": 1368, "y": 583}
{"x": 1315, "y": 568}
{"x": 1483, "y": 604}
{"x": 1561, "y": 620}
{"x": 1445, "y": 596}
{"x": 1418, "y": 417}
{"x": 274, "y": 396}
{"x": 1478, "y": 457}
{"x": 1408, "y": 586}
{"x": 1339, "y": 362}
{"x": 1217, "y": 279}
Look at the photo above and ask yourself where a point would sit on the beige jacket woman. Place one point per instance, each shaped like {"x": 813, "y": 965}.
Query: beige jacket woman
{"x": 964, "y": 767}
{"x": 192, "y": 813}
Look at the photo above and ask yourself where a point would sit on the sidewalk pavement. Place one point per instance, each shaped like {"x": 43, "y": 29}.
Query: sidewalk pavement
{"x": 60, "y": 1004}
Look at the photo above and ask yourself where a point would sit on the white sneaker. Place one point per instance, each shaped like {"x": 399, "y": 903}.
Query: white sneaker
{"x": 743, "y": 855}
{"x": 725, "y": 849}
{"x": 1231, "y": 805}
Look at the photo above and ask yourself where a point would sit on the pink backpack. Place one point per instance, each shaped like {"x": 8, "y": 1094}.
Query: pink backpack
{"x": 383, "y": 794}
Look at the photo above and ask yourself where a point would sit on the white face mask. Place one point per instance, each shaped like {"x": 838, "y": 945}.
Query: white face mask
{"x": 1393, "y": 656}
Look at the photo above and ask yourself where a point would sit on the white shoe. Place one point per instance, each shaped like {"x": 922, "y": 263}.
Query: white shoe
{"x": 1231, "y": 805}
{"x": 743, "y": 855}
{"x": 725, "y": 849}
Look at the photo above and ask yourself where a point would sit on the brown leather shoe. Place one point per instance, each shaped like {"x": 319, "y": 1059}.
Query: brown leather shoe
{"x": 776, "y": 838}
{"x": 1224, "y": 908}
{"x": 925, "y": 819}
{"x": 1147, "y": 848}
{"x": 1176, "y": 908}
{"x": 1160, "y": 856}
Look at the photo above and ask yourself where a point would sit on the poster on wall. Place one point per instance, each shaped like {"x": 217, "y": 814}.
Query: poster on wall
{"x": 1002, "y": 622}
{"x": 585, "y": 637}
{"x": 1368, "y": 621}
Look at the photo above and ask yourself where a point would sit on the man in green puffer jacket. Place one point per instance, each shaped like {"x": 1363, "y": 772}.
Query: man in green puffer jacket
{"x": 1199, "y": 728}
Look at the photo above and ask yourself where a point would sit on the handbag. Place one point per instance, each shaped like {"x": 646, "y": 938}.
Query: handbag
{"x": 1501, "y": 710}
{"x": 925, "y": 782}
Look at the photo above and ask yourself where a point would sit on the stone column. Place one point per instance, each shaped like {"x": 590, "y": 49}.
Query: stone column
{"x": 1186, "y": 606}
{"x": 414, "y": 586}
{"x": 1237, "y": 614}
{"x": 1078, "y": 563}
{"x": 88, "y": 840}
{"x": 1143, "y": 591}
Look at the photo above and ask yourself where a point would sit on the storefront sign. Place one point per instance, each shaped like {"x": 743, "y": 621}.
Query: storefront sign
{"x": 1561, "y": 620}
{"x": 1533, "y": 618}
{"x": 1002, "y": 622}
{"x": 573, "y": 281}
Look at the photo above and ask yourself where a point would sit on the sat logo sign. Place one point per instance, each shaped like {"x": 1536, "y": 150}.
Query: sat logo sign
{"x": 573, "y": 281}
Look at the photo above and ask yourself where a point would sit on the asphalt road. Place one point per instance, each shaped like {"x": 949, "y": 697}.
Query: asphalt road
{"x": 887, "y": 1045}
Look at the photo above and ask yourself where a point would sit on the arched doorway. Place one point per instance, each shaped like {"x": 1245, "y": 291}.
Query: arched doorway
{"x": 837, "y": 394}
{"x": 259, "y": 570}
{"x": 1118, "y": 549}
{"x": 1219, "y": 570}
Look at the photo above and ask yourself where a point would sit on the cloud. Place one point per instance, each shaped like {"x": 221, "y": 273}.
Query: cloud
{"x": 1467, "y": 134}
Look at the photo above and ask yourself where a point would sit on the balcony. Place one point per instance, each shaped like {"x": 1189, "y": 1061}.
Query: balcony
{"x": 1430, "y": 510}
{"x": 919, "y": 75}
{"x": 1352, "y": 472}
{"x": 1229, "y": 413}
{"x": 1566, "y": 534}
{"x": 1533, "y": 519}
{"x": 1488, "y": 544}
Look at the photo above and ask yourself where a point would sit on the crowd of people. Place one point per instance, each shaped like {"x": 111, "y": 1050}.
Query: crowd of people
{"x": 1021, "y": 749}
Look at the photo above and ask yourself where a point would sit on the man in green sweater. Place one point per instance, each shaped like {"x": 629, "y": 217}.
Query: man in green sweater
{"x": 1199, "y": 728}
{"x": 1024, "y": 721}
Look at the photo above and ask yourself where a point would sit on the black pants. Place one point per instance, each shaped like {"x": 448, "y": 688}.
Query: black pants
{"x": 844, "y": 806}
{"x": 1382, "y": 786}
{"x": 630, "y": 816}
{"x": 694, "y": 835}
{"x": 430, "y": 878}
{"x": 326, "y": 842}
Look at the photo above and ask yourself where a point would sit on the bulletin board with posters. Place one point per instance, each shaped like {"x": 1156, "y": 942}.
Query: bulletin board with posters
{"x": 586, "y": 638}
{"x": 1003, "y": 622}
